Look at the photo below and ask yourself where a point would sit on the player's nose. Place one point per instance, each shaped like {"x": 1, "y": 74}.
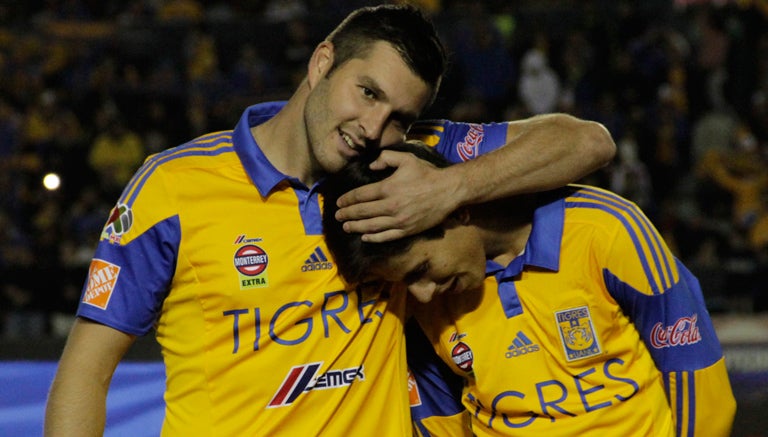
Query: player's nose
{"x": 423, "y": 290}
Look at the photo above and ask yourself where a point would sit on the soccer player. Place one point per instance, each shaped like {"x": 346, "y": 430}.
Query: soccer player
{"x": 217, "y": 245}
{"x": 563, "y": 313}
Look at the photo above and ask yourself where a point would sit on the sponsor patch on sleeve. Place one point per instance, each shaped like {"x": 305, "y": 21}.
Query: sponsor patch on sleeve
{"x": 102, "y": 277}
{"x": 413, "y": 390}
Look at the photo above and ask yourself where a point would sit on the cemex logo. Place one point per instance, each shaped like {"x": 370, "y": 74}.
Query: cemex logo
{"x": 302, "y": 378}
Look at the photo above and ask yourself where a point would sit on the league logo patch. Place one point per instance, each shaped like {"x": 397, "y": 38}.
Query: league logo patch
{"x": 119, "y": 222}
{"x": 102, "y": 277}
{"x": 251, "y": 264}
{"x": 577, "y": 333}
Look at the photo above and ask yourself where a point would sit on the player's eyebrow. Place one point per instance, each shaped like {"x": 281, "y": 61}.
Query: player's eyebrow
{"x": 416, "y": 273}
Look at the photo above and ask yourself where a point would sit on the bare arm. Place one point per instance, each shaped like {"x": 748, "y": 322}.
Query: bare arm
{"x": 77, "y": 401}
{"x": 542, "y": 153}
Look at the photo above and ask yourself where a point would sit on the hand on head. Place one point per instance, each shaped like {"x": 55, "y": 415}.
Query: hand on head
{"x": 417, "y": 196}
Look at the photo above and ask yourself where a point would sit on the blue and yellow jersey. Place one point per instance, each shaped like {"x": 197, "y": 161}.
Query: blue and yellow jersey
{"x": 595, "y": 328}
{"x": 223, "y": 256}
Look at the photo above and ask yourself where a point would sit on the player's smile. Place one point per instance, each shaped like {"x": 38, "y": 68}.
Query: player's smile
{"x": 350, "y": 147}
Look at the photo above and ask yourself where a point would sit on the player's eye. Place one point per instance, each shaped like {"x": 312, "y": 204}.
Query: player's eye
{"x": 417, "y": 273}
{"x": 368, "y": 93}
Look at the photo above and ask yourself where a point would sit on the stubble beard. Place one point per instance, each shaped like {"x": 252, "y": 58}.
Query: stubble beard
{"x": 316, "y": 118}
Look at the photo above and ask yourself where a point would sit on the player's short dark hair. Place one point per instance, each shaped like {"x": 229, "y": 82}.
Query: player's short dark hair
{"x": 404, "y": 27}
{"x": 352, "y": 255}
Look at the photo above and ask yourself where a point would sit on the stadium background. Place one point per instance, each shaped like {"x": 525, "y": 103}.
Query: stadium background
{"x": 89, "y": 88}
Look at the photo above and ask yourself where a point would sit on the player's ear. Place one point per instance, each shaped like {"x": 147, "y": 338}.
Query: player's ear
{"x": 320, "y": 62}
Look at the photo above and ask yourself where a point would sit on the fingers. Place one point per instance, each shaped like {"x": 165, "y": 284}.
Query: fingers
{"x": 366, "y": 193}
{"x": 380, "y": 237}
{"x": 375, "y": 191}
{"x": 371, "y": 224}
{"x": 375, "y": 230}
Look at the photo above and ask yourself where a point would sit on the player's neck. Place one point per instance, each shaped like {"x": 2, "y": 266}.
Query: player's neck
{"x": 502, "y": 246}
{"x": 283, "y": 141}
{"x": 504, "y": 226}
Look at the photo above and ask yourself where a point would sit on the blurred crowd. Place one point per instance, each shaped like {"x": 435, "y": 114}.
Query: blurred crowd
{"x": 88, "y": 89}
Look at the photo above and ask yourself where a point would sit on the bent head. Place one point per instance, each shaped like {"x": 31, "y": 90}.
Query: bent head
{"x": 447, "y": 258}
{"x": 369, "y": 81}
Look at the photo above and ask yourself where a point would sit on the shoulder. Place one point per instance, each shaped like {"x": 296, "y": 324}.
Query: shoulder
{"x": 210, "y": 149}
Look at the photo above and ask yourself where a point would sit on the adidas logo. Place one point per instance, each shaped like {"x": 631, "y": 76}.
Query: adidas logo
{"x": 521, "y": 345}
{"x": 317, "y": 261}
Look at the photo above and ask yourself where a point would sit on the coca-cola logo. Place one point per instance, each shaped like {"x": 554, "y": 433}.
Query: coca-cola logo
{"x": 683, "y": 332}
{"x": 467, "y": 149}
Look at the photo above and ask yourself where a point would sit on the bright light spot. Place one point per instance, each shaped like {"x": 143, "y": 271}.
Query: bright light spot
{"x": 51, "y": 181}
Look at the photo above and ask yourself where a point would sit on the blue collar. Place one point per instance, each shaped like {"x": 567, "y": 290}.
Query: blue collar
{"x": 542, "y": 250}
{"x": 543, "y": 246}
{"x": 262, "y": 173}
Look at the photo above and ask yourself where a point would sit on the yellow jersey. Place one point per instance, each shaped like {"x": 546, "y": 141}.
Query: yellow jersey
{"x": 224, "y": 256}
{"x": 595, "y": 329}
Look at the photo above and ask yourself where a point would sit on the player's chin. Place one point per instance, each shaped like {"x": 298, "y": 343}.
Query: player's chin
{"x": 334, "y": 165}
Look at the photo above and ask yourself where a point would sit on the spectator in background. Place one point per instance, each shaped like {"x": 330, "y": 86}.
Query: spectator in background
{"x": 10, "y": 131}
{"x": 742, "y": 171}
{"x": 116, "y": 151}
{"x": 629, "y": 176}
{"x": 539, "y": 86}
{"x": 202, "y": 61}
{"x": 479, "y": 44}
{"x": 39, "y": 126}
{"x": 296, "y": 49}
{"x": 180, "y": 11}
{"x": 21, "y": 315}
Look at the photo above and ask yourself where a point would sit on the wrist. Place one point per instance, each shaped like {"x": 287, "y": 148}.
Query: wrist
{"x": 458, "y": 183}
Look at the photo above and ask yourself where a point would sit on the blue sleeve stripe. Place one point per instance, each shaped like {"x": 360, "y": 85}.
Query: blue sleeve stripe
{"x": 691, "y": 403}
{"x": 685, "y": 396}
{"x": 678, "y": 403}
{"x": 667, "y": 275}
{"x": 420, "y": 429}
{"x": 209, "y": 145}
{"x": 638, "y": 245}
{"x": 621, "y": 209}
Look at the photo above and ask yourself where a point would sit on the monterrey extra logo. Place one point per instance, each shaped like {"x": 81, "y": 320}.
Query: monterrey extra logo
{"x": 251, "y": 260}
